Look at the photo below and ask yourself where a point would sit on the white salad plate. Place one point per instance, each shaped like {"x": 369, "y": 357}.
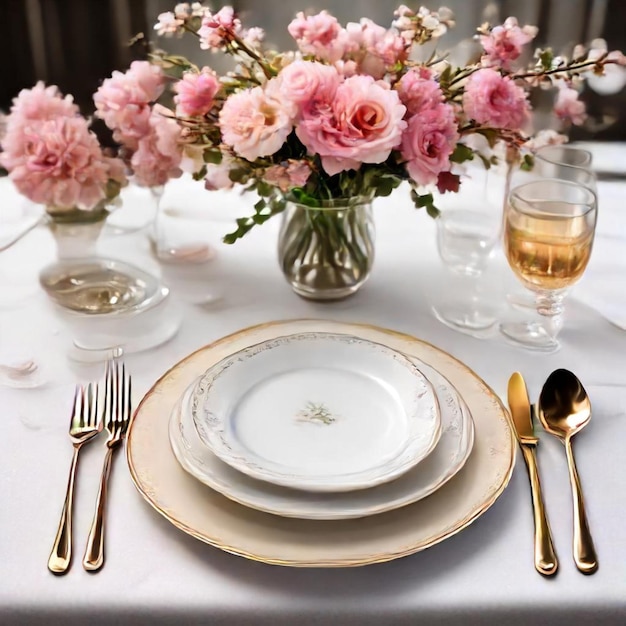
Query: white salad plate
{"x": 324, "y": 412}
{"x": 441, "y": 465}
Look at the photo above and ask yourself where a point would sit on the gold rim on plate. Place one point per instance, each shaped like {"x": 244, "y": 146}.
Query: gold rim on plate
{"x": 212, "y": 518}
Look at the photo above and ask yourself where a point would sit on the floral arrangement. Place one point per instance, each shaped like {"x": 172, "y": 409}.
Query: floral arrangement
{"x": 54, "y": 158}
{"x": 352, "y": 113}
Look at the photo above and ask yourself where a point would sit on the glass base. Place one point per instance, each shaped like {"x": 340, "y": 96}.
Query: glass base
{"x": 325, "y": 295}
{"x": 469, "y": 321}
{"x": 95, "y": 286}
{"x": 529, "y": 335}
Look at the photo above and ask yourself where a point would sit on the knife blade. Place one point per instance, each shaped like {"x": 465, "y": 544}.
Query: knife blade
{"x": 546, "y": 561}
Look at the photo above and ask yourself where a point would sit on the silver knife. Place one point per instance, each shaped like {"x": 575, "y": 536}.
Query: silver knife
{"x": 546, "y": 562}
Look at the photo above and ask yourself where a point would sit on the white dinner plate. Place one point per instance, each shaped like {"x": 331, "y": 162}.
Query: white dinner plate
{"x": 443, "y": 463}
{"x": 317, "y": 411}
{"x": 208, "y": 516}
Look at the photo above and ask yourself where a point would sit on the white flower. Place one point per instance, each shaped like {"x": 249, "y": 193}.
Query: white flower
{"x": 168, "y": 24}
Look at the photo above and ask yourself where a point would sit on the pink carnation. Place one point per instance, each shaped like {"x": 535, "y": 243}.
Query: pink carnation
{"x": 504, "y": 43}
{"x": 38, "y": 104}
{"x": 319, "y": 35}
{"x": 305, "y": 83}
{"x": 428, "y": 143}
{"x": 123, "y": 101}
{"x": 256, "y": 122}
{"x": 196, "y": 92}
{"x": 495, "y": 100}
{"x": 569, "y": 108}
{"x": 418, "y": 91}
{"x": 288, "y": 175}
{"x": 361, "y": 124}
{"x": 58, "y": 162}
{"x": 159, "y": 152}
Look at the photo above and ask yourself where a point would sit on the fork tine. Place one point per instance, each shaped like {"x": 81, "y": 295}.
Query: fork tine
{"x": 75, "y": 405}
{"x": 93, "y": 405}
{"x": 108, "y": 394}
{"x": 81, "y": 407}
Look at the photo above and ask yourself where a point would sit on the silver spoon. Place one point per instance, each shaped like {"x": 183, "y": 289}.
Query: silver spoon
{"x": 564, "y": 409}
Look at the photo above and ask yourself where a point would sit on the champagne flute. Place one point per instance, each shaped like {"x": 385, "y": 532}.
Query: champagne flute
{"x": 548, "y": 237}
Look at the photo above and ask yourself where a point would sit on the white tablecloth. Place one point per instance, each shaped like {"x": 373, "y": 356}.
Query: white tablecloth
{"x": 155, "y": 574}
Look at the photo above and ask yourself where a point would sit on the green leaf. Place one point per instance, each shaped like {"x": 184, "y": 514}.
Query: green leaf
{"x": 237, "y": 175}
{"x": 433, "y": 211}
{"x": 421, "y": 201}
{"x": 264, "y": 189}
{"x": 485, "y": 160}
{"x": 212, "y": 156}
{"x": 461, "y": 154}
{"x": 199, "y": 175}
{"x": 528, "y": 162}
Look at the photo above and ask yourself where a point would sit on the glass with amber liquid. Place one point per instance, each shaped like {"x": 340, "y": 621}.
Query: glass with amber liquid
{"x": 548, "y": 237}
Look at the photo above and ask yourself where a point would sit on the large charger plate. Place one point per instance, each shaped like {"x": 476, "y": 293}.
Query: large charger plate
{"x": 441, "y": 465}
{"x": 216, "y": 520}
{"x": 317, "y": 411}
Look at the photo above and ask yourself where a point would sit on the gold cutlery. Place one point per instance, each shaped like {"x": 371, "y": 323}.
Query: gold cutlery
{"x": 564, "y": 409}
{"x": 84, "y": 425}
{"x": 117, "y": 410}
{"x": 546, "y": 562}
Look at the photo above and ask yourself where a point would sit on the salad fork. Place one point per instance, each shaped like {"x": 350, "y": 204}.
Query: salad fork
{"x": 85, "y": 424}
{"x": 117, "y": 411}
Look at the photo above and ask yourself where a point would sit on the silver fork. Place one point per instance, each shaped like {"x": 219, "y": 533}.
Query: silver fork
{"x": 85, "y": 424}
{"x": 117, "y": 410}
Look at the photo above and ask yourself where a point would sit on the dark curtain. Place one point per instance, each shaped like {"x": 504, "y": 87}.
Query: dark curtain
{"x": 73, "y": 44}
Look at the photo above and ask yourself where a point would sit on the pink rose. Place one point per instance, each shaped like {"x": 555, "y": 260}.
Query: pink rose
{"x": 495, "y": 100}
{"x": 255, "y": 122}
{"x": 196, "y": 93}
{"x": 418, "y": 91}
{"x": 504, "y": 43}
{"x": 428, "y": 143}
{"x": 375, "y": 49}
{"x": 361, "y": 124}
{"x": 159, "y": 152}
{"x": 306, "y": 82}
{"x": 569, "y": 108}
{"x": 319, "y": 35}
{"x": 123, "y": 101}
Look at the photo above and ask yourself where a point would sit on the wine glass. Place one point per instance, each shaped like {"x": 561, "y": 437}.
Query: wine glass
{"x": 560, "y": 162}
{"x": 548, "y": 236}
{"x": 468, "y": 230}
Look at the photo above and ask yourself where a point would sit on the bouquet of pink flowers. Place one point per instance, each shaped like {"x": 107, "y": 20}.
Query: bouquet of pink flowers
{"x": 350, "y": 113}
{"x": 52, "y": 156}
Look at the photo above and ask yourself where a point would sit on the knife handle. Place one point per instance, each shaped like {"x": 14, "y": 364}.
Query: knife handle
{"x": 546, "y": 562}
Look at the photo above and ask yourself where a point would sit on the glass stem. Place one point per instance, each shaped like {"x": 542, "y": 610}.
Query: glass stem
{"x": 550, "y": 306}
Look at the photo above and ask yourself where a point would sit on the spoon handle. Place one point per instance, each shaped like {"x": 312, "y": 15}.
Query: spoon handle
{"x": 584, "y": 551}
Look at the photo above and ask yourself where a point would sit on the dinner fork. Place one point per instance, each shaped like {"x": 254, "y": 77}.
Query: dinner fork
{"x": 117, "y": 410}
{"x": 85, "y": 424}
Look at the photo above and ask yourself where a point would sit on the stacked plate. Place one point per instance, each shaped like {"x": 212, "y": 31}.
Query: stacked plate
{"x": 316, "y": 421}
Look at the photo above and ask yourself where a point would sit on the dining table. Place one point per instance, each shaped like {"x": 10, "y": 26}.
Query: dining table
{"x": 156, "y": 574}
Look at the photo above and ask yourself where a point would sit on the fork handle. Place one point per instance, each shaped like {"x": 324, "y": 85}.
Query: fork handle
{"x": 94, "y": 552}
{"x": 61, "y": 554}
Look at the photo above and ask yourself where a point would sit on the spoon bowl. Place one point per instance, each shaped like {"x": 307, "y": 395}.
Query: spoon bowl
{"x": 564, "y": 406}
{"x": 564, "y": 409}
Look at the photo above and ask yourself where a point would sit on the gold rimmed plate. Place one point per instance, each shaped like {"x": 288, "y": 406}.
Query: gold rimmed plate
{"x": 212, "y": 518}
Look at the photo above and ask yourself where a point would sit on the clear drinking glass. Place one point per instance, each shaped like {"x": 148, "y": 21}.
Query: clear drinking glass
{"x": 468, "y": 230}
{"x": 548, "y": 236}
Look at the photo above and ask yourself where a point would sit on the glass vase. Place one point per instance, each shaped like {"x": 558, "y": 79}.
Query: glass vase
{"x": 75, "y": 232}
{"x": 327, "y": 253}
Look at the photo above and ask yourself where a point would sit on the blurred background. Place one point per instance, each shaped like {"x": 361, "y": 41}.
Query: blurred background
{"x": 75, "y": 44}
